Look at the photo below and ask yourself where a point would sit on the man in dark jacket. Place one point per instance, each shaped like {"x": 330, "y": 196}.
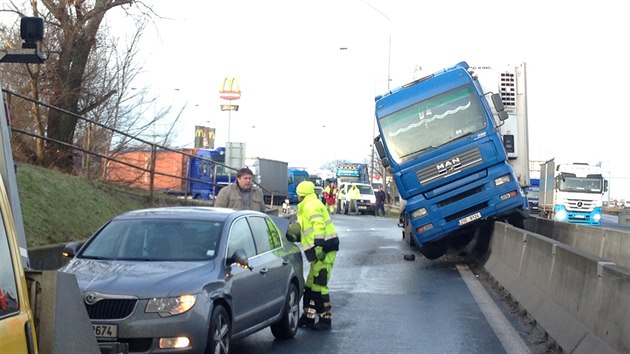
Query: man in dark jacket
{"x": 242, "y": 194}
{"x": 380, "y": 201}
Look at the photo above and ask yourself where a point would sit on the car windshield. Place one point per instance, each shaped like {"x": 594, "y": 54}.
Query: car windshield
{"x": 577, "y": 184}
{"x": 365, "y": 189}
{"x": 155, "y": 240}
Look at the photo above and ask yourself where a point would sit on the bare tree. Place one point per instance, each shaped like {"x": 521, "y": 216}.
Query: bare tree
{"x": 78, "y": 25}
{"x": 86, "y": 74}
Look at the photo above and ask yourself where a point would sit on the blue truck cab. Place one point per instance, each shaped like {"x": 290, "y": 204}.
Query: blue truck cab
{"x": 440, "y": 140}
{"x": 202, "y": 170}
{"x": 295, "y": 176}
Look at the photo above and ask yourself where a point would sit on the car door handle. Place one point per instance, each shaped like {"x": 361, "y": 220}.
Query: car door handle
{"x": 264, "y": 270}
{"x": 285, "y": 262}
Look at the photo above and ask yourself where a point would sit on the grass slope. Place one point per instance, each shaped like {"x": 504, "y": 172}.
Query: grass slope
{"x": 58, "y": 207}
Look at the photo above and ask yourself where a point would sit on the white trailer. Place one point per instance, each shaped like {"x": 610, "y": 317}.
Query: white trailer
{"x": 572, "y": 192}
{"x": 271, "y": 176}
{"x": 511, "y": 82}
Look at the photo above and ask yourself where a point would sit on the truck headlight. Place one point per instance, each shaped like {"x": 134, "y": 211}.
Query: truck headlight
{"x": 171, "y": 305}
{"x": 503, "y": 179}
{"x": 418, "y": 213}
{"x": 597, "y": 217}
{"x": 561, "y": 215}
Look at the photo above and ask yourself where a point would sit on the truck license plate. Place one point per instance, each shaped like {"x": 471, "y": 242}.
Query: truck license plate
{"x": 105, "y": 330}
{"x": 470, "y": 218}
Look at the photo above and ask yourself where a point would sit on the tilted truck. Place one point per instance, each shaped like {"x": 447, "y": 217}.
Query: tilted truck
{"x": 450, "y": 158}
{"x": 572, "y": 192}
{"x": 40, "y": 311}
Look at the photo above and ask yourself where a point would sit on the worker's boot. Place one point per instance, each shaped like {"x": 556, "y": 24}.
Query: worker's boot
{"x": 323, "y": 325}
{"x": 306, "y": 322}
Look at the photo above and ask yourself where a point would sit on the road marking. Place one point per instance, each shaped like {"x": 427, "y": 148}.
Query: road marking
{"x": 509, "y": 338}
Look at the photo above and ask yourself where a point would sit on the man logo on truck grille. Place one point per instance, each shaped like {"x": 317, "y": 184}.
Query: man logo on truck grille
{"x": 448, "y": 165}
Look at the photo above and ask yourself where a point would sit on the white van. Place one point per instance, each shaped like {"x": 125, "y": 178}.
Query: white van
{"x": 366, "y": 203}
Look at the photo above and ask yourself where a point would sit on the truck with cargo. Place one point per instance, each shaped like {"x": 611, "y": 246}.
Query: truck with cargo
{"x": 456, "y": 166}
{"x": 572, "y": 192}
{"x": 352, "y": 172}
{"x": 185, "y": 173}
{"x": 533, "y": 195}
{"x": 40, "y": 311}
{"x": 193, "y": 173}
{"x": 271, "y": 176}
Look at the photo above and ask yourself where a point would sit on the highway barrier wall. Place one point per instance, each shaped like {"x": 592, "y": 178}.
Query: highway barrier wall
{"x": 581, "y": 300}
{"x": 606, "y": 243}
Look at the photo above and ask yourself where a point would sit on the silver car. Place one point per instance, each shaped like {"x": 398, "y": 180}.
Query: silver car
{"x": 188, "y": 279}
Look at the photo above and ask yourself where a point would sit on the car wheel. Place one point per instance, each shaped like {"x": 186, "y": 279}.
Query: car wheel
{"x": 220, "y": 331}
{"x": 287, "y": 326}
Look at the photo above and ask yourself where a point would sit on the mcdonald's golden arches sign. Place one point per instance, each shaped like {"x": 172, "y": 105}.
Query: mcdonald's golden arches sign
{"x": 230, "y": 89}
{"x": 204, "y": 137}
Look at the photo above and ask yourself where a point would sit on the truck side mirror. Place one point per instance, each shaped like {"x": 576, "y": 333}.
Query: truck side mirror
{"x": 499, "y": 107}
{"x": 605, "y": 185}
{"x": 378, "y": 144}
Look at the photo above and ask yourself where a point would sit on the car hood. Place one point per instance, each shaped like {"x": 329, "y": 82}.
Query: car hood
{"x": 141, "y": 279}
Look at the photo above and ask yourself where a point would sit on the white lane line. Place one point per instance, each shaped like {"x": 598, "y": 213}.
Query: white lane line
{"x": 510, "y": 339}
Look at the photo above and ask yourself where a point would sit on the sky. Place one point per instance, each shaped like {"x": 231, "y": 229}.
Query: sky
{"x": 306, "y": 101}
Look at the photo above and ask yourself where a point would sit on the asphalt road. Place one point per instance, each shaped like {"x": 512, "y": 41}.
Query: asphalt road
{"x": 384, "y": 304}
{"x": 612, "y": 222}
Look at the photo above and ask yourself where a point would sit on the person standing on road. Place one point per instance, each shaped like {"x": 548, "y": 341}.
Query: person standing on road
{"x": 380, "y": 201}
{"x": 242, "y": 194}
{"x": 320, "y": 244}
{"x": 330, "y": 194}
{"x": 354, "y": 195}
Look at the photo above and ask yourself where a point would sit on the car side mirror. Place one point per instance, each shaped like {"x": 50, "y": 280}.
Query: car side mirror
{"x": 240, "y": 258}
{"x": 71, "y": 249}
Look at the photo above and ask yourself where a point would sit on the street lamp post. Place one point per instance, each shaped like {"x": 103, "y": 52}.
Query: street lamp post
{"x": 389, "y": 57}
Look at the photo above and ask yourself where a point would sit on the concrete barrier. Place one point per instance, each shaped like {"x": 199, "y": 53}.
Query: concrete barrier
{"x": 47, "y": 257}
{"x": 624, "y": 218}
{"x": 613, "y": 245}
{"x": 581, "y": 300}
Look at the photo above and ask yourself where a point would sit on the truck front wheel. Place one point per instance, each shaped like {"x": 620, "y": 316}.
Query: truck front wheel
{"x": 434, "y": 250}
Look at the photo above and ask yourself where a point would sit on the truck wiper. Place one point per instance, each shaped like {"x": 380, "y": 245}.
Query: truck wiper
{"x": 416, "y": 153}
{"x": 463, "y": 136}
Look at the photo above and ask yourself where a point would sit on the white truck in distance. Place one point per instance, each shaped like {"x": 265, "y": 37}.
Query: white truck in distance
{"x": 572, "y": 192}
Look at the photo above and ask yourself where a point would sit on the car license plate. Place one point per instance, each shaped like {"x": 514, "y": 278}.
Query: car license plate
{"x": 362, "y": 207}
{"x": 105, "y": 330}
{"x": 470, "y": 218}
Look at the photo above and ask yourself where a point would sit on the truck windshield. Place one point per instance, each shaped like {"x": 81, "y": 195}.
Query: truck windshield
{"x": 433, "y": 122}
{"x": 577, "y": 184}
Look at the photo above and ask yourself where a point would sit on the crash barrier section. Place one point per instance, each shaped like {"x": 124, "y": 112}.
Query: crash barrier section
{"x": 62, "y": 322}
{"x": 580, "y": 300}
{"x": 610, "y": 244}
{"x": 47, "y": 257}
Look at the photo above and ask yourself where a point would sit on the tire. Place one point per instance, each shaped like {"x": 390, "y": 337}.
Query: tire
{"x": 220, "y": 331}
{"x": 287, "y": 326}
{"x": 481, "y": 249}
{"x": 434, "y": 250}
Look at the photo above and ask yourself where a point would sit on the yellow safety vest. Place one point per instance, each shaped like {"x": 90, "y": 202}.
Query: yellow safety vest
{"x": 319, "y": 235}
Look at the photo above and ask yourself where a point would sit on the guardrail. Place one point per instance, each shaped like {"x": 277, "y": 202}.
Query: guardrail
{"x": 581, "y": 300}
